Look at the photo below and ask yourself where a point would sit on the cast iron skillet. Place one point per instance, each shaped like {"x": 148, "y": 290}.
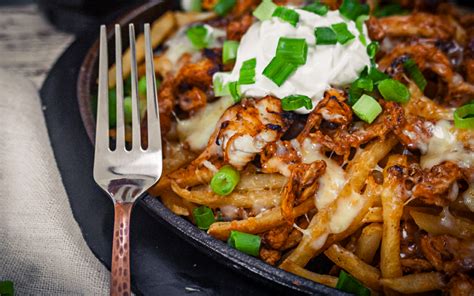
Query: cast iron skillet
{"x": 218, "y": 250}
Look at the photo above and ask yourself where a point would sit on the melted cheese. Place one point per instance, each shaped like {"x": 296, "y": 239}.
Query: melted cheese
{"x": 346, "y": 211}
{"x": 197, "y": 130}
{"x": 333, "y": 180}
{"x": 444, "y": 145}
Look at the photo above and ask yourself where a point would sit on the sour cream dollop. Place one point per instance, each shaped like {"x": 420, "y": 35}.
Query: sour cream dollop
{"x": 327, "y": 65}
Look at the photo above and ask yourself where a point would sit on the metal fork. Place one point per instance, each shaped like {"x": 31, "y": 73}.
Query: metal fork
{"x": 126, "y": 174}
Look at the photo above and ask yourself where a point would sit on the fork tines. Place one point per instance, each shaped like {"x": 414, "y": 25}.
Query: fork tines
{"x": 153, "y": 120}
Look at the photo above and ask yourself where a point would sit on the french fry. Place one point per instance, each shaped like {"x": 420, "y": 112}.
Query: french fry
{"x": 186, "y": 18}
{"x": 159, "y": 30}
{"x": 392, "y": 205}
{"x": 258, "y": 224}
{"x": 373, "y": 215}
{"x": 445, "y": 223}
{"x": 175, "y": 203}
{"x": 415, "y": 283}
{"x": 205, "y": 196}
{"x": 369, "y": 242}
{"x": 327, "y": 280}
{"x": 358, "y": 171}
{"x": 419, "y": 105}
{"x": 253, "y": 182}
{"x": 365, "y": 273}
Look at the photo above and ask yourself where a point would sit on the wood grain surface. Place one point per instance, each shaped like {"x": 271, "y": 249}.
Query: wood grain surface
{"x": 29, "y": 45}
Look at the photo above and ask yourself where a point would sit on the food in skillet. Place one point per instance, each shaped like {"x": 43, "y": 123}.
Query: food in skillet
{"x": 334, "y": 140}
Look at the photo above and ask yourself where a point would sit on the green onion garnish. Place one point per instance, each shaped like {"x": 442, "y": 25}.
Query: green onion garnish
{"x": 224, "y": 6}
{"x": 360, "y": 27}
{"x": 376, "y": 75}
{"x": 393, "y": 90}
{"x": 389, "y": 9}
{"x": 234, "y": 89}
{"x": 224, "y": 181}
{"x": 245, "y": 242}
{"x": 364, "y": 83}
{"x": 278, "y": 70}
{"x": 247, "y": 72}
{"x": 203, "y": 217}
{"x": 286, "y": 14}
{"x": 354, "y": 94}
{"x": 294, "y": 102}
{"x": 292, "y": 50}
{"x": 6, "y": 288}
{"x": 372, "y": 49}
{"x": 464, "y": 116}
{"x": 352, "y": 9}
{"x": 142, "y": 85}
{"x": 229, "y": 51}
{"x": 415, "y": 74}
{"x": 265, "y": 10}
{"x": 325, "y": 36}
{"x": 317, "y": 8}
{"x": 349, "y": 284}
{"x": 192, "y": 5}
{"x": 343, "y": 34}
{"x": 220, "y": 89}
{"x": 199, "y": 36}
{"x": 367, "y": 108}
{"x": 127, "y": 110}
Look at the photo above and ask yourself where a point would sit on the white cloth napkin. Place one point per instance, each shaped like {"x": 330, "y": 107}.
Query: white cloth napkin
{"x": 41, "y": 246}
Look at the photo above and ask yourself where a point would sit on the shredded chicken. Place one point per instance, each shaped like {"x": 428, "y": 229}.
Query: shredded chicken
{"x": 448, "y": 254}
{"x": 434, "y": 184}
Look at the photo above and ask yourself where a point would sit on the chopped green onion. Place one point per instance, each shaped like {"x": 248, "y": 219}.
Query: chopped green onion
{"x": 247, "y": 72}
{"x": 224, "y": 181}
{"x": 343, "y": 34}
{"x": 349, "y": 284}
{"x": 234, "y": 89}
{"x": 360, "y": 27}
{"x": 265, "y": 10}
{"x": 415, "y": 74}
{"x": 278, "y": 70}
{"x": 142, "y": 85}
{"x": 389, "y": 9}
{"x": 292, "y": 50}
{"x": 220, "y": 89}
{"x": 393, "y": 90}
{"x": 203, "y": 217}
{"x": 229, "y": 51}
{"x": 112, "y": 107}
{"x": 7, "y": 288}
{"x": 191, "y": 5}
{"x": 224, "y": 6}
{"x": 199, "y": 36}
{"x": 317, "y": 8}
{"x": 354, "y": 94}
{"x": 352, "y": 9}
{"x": 127, "y": 109}
{"x": 372, "y": 49}
{"x": 376, "y": 75}
{"x": 367, "y": 108}
{"x": 286, "y": 14}
{"x": 245, "y": 242}
{"x": 464, "y": 117}
{"x": 294, "y": 102}
{"x": 325, "y": 36}
{"x": 364, "y": 83}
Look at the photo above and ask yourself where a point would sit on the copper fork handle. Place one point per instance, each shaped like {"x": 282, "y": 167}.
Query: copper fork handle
{"x": 120, "y": 272}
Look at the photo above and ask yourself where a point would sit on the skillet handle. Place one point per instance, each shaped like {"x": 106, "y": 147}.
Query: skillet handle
{"x": 120, "y": 271}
